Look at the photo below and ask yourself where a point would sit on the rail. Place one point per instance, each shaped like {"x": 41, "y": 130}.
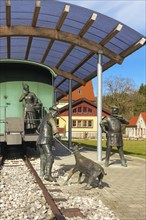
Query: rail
{"x": 57, "y": 213}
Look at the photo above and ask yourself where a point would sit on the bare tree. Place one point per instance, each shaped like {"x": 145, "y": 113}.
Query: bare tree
{"x": 119, "y": 92}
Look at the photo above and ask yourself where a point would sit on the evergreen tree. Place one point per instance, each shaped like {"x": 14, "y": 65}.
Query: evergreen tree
{"x": 142, "y": 89}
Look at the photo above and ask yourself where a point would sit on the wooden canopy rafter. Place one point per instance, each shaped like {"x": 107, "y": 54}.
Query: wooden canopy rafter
{"x": 8, "y": 23}
{"x": 60, "y": 91}
{"x": 69, "y": 76}
{"x": 73, "y": 39}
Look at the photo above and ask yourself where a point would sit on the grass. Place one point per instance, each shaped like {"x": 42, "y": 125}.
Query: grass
{"x": 136, "y": 148}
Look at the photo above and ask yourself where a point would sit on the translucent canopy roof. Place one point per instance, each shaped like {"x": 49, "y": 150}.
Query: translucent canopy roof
{"x": 65, "y": 37}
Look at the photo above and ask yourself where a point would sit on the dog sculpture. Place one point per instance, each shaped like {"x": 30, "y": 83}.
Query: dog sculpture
{"x": 91, "y": 169}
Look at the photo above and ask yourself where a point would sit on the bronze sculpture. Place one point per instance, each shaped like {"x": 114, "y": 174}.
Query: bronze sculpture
{"x": 88, "y": 167}
{"x": 30, "y": 109}
{"x": 47, "y": 129}
{"x": 111, "y": 125}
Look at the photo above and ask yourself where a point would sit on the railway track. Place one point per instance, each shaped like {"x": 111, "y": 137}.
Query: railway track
{"x": 52, "y": 193}
{"x": 60, "y": 214}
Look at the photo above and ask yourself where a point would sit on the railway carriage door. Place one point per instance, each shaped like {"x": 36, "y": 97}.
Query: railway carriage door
{"x": 9, "y": 102}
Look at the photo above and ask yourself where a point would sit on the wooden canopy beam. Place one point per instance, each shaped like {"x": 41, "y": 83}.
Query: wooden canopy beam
{"x": 8, "y": 23}
{"x": 60, "y": 36}
{"x": 58, "y": 26}
{"x": 68, "y": 76}
{"x": 34, "y": 21}
{"x": 81, "y": 33}
{"x": 63, "y": 17}
{"x": 134, "y": 47}
{"x": 88, "y": 25}
{"x": 60, "y": 91}
{"x": 8, "y": 12}
{"x": 111, "y": 34}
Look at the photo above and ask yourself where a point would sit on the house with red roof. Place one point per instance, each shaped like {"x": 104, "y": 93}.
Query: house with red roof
{"x": 137, "y": 126}
{"x": 82, "y": 92}
{"x": 84, "y": 113}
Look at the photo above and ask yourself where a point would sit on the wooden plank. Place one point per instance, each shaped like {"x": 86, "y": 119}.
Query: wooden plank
{"x": 8, "y": 23}
{"x": 111, "y": 34}
{"x": 60, "y": 91}
{"x": 67, "y": 75}
{"x": 8, "y": 12}
{"x": 8, "y": 47}
{"x": 134, "y": 47}
{"x": 60, "y": 36}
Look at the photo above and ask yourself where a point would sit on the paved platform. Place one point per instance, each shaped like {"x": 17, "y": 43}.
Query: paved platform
{"x": 124, "y": 189}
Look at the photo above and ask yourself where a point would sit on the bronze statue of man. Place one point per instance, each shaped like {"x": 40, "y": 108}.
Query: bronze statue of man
{"x": 111, "y": 125}
{"x": 45, "y": 142}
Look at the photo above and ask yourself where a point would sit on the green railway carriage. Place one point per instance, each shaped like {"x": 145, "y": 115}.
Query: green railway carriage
{"x": 13, "y": 74}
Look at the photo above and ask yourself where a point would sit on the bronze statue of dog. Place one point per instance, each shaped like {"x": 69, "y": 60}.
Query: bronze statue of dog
{"x": 91, "y": 169}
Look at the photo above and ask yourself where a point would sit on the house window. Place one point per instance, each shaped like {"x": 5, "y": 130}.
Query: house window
{"x": 79, "y": 109}
{"x": 79, "y": 91}
{"x": 90, "y": 123}
{"x": 84, "y": 109}
{"x": 82, "y": 123}
{"x": 89, "y": 110}
{"x": 74, "y": 110}
{"x": 79, "y": 124}
{"x": 74, "y": 123}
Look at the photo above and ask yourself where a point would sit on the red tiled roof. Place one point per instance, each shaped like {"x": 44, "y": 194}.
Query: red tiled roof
{"x": 83, "y": 92}
{"x": 83, "y": 100}
{"x": 133, "y": 121}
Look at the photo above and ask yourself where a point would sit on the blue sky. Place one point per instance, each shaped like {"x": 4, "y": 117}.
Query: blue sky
{"x": 133, "y": 14}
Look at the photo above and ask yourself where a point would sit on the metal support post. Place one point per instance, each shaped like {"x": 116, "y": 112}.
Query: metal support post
{"x": 99, "y": 106}
{"x": 70, "y": 115}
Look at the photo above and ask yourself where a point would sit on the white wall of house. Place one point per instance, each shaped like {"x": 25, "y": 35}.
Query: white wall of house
{"x": 131, "y": 132}
{"x": 137, "y": 131}
{"x": 141, "y": 127}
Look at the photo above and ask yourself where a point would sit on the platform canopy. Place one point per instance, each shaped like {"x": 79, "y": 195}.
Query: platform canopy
{"x": 65, "y": 37}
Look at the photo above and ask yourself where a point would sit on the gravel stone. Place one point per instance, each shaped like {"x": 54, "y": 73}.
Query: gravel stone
{"x": 21, "y": 198}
